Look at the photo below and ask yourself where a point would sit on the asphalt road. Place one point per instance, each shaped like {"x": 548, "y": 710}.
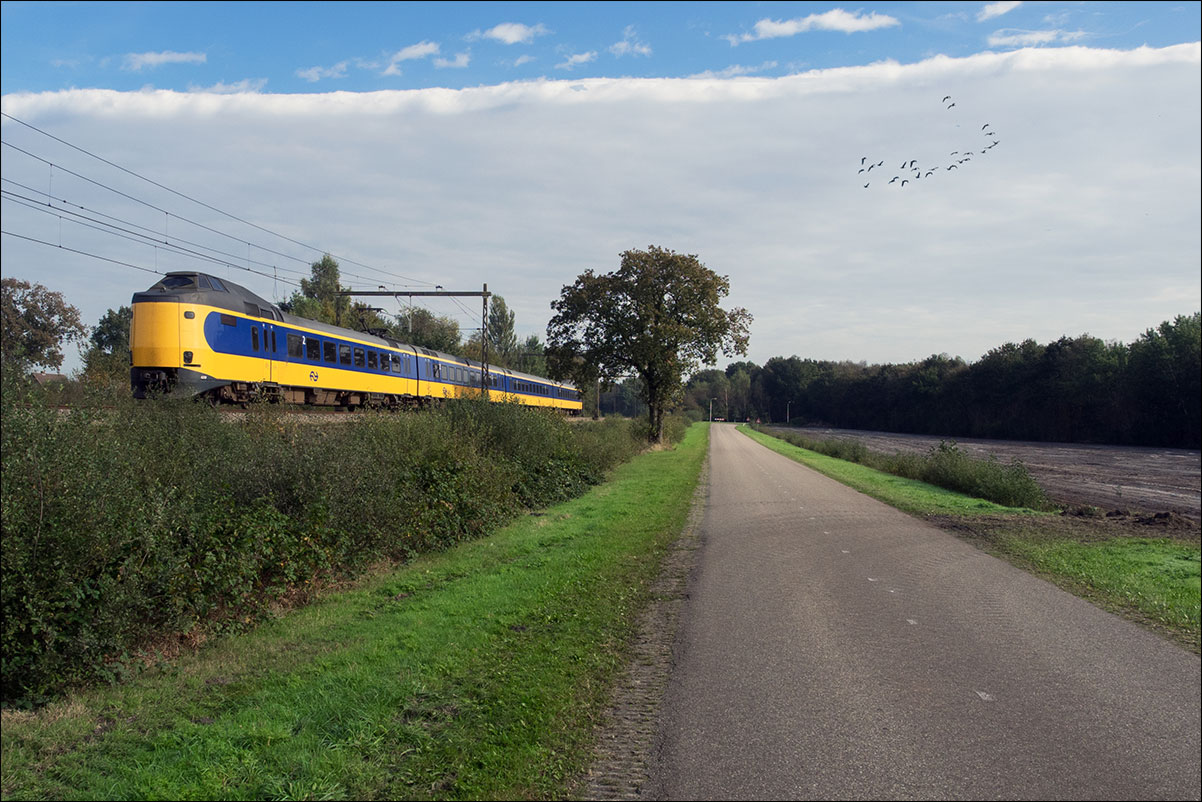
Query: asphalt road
{"x": 834, "y": 648}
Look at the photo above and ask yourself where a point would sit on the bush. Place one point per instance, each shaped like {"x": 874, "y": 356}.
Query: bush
{"x": 945, "y": 465}
{"x": 129, "y": 522}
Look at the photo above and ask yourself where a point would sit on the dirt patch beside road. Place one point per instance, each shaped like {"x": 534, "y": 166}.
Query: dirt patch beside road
{"x": 1136, "y": 480}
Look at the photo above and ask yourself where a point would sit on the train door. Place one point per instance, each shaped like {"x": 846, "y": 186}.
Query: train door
{"x": 261, "y": 335}
{"x": 191, "y": 339}
{"x": 270, "y": 351}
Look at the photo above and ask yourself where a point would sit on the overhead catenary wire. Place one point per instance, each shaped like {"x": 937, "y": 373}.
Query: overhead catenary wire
{"x": 150, "y": 236}
{"x": 133, "y": 236}
{"x": 198, "y": 202}
{"x": 156, "y": 208}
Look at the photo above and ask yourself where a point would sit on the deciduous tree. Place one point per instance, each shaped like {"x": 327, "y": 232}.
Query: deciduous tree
{"x": 36, "y": 324}
{"x": 657, "y": 315}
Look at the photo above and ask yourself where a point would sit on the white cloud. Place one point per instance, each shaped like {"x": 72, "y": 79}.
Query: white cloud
{"x": 525, "y": 185}
{"x": 135, "y": 62}
{"x": 410, "y": 53}
{"x": 315, "y": 74}
{"x": 461, "y": 60}
{"x": 630, "y": 45}
{"x": 222, "y": 88}
{"x": 525, "y": 58}
{"x": 576, "y": 59}
{"x": 992, "y": 10}
{"x": 834, "y": 20}
{"x": 736, "y": 70}
{"x": 1012, "y": 37}
{"x": 510, "y": 33}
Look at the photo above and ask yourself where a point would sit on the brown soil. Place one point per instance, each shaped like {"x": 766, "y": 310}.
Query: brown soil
{"x": 1135, "y": 482}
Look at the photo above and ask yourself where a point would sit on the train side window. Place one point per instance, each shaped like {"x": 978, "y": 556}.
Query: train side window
{"x": 396, "y": 363}
{"x": 313, "y": 349}
{"x": 435, "y": 370}
{"x": 217, "y": 285}
{"x": 229, "y": 320}
{"x": 371, "y": 360}
{"x": 254, "y": 338}
{"x": 359, "y": 362}
{"x": 296, "y": 346}
{"x": 330, "y": 351}
{"x": 203, "y": 281}
{"x": 344, "y": 354}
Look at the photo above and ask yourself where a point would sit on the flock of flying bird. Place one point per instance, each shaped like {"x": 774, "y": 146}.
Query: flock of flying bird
{"x": 911, "y": 171}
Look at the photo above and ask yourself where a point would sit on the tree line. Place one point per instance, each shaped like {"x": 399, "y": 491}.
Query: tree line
{"x": 1076, "y": 389}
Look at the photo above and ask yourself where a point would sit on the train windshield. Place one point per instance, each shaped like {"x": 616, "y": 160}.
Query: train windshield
{"x": 178, "y": 282}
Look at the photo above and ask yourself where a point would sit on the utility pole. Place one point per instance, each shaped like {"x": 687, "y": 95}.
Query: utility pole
{"x": 484, "y": 345}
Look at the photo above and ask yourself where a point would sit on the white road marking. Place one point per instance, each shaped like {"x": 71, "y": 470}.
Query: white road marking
{"x": 985, "y": 697}
{"x": 911, "y": 622}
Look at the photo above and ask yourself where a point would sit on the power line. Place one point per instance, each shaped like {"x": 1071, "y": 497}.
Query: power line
{"x": 199, "y": 202}
{"x": 165, "y": 212}
{"x": 50, "y": 208}
{"x": 132, "y": 236}
{"x": 84, "y": 253}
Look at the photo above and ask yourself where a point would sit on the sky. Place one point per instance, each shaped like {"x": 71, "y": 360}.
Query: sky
{"x": 879, "y": 182}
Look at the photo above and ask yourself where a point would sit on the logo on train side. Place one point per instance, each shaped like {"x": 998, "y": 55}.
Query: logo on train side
{"x": 313, "y": 375}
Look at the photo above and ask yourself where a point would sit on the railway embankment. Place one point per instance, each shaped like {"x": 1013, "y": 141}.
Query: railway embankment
{"x": 143, "y": 528}
{"x": 476, "y": 671}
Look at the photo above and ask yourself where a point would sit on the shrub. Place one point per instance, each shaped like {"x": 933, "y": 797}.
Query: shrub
{"x": 945, "y": 465}
{"x": 128, "y": 522}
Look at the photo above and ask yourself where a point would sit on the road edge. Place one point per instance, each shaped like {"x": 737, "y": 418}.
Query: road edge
{"x": 626, "y": 737}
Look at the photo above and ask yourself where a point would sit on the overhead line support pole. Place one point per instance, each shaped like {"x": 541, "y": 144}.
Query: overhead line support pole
{"x": 484, "y": 294}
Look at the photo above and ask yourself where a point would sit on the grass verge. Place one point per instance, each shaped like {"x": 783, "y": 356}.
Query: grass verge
{"x": 908, "y": 495}
{"x": 1144, "y": 568}
{"x": 476, "y": 673}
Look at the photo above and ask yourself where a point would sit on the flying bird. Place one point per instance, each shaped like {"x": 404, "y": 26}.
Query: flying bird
{"x": 866, "y": 185}
{"x": 904, "y": 183}
{"x": 894, "y": 178}
{"x": 951, "y": 167}
{"x": 863, "y": 159}
{"x": 983, "y": 127}
{"x": 861, "y": 170}
{"x": 952, "y": 106}
{"x": 928, "y": 175}
{"x": 946, "y": 99}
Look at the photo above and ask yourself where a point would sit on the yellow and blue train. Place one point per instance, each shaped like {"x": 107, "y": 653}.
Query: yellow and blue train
{"x": 197, "y": 335}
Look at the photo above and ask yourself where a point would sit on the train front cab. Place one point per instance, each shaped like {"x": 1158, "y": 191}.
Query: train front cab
{"x": 168, "y": 354}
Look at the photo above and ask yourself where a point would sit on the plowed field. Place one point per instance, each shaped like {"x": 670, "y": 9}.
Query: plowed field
{"x": 1136, "y": 480}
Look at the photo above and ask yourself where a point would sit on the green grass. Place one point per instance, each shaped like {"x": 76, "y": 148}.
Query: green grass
{"x": 476, "y": 673}
{"x": 908, "y": 495}
{"x": 1153, "y": 581}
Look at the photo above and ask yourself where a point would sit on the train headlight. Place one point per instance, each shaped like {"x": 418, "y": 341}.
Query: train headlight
{"x": 187, "y": 357}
